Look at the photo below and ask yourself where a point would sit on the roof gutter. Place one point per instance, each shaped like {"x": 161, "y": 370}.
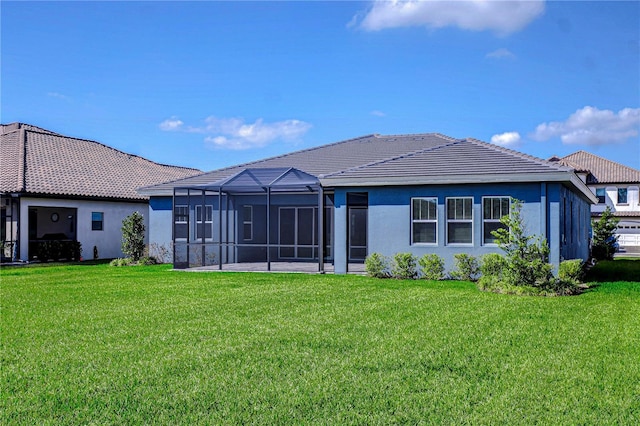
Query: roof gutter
{"x": 563, "y": 177}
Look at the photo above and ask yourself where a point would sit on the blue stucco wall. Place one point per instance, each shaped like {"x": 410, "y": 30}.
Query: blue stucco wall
{"x": 549, "y": 209}
{"x": 389, "y": 219}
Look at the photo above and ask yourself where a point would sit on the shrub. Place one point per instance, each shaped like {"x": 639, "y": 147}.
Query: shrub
{"x": 376, "y": 265}
{"x": 120, "y": 262}
{"x": 432, "y": 267}
{"x": 527, "y": 256}
{"x": 133, "y": 236}
{"x": 571, "y": 270}
{"x": 466, "y": 268}
{"x": 492, "y": 265}
{"x": 148, "y": 260}
{"x": 605, "y": 241}
{"x": 404, "y": 266}
{"x": 161, "y": 252}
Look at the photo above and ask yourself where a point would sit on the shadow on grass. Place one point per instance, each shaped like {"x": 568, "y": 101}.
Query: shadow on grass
{"x": 614, "y": 270}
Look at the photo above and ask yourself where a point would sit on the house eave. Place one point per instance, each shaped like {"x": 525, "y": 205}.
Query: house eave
{"x": 563, "y": 177}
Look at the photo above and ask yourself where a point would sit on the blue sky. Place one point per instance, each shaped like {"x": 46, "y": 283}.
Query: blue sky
{"x": 210, "y": 84}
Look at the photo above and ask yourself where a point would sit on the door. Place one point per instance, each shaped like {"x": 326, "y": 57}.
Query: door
{"x": 357, "y": 233}
{"x": 297, "y": 232}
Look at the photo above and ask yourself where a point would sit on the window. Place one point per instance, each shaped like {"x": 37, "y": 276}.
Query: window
{"x": 247, "y": 223}
{"x": 181, "y": 218}
{"x": 622, "y": 195}
{"x": 181, "y": 214}
{"x": 97, "y": 221}
{"x": 460, "y": 220}
{"x": 208, "y": 222}
{"x": 493, "y": 209}
{"x": 424, "y": 220}
{"x": 601, "y": 193}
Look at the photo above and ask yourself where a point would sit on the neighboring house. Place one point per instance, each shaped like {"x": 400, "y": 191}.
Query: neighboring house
{"x": 59, "y": 188}
{"x": 337, "y": 203}
{"x": 616, "y": 186}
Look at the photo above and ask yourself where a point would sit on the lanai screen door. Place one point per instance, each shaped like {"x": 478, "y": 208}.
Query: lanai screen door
{"x": 297, "y": 232}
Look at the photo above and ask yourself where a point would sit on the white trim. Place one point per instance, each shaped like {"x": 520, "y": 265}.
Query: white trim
{"x": 208, "y": 222}
{"x": 248, "y": 222}
{"x": 447, "y": 221}
{"x": 434, "y": 221}
{"x": 483, "y": 220}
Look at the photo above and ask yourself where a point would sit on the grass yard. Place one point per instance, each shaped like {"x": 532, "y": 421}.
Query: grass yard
{"x": 101, "y": 345}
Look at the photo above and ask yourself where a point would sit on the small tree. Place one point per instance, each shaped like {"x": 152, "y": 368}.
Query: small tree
{"x": 527, "y": 256}
{"x": 133, "y": 236}
{"x": 605, "y": 239}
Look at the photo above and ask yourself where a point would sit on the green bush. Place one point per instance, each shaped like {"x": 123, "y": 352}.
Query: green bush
{"x": 376, "y": 265}
{"x": 466, "y": 267}
{"x": 120, "y": 262}
{"x": 133, "y": 236}
{"x": 404, "y": 266}
{"x": 148, "y": 260}
{"x": 432, "y": 267}
{"x": 605, "y": 240}
{"x": 571, "y": 270}
{"x": 492, "y": 265}
{"x": 527, "y": 256}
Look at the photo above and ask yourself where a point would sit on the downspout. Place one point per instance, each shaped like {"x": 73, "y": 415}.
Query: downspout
{"x": 320, "y": 230}
{"x": 543, "y": 210}
{"x": 268, "y": 228}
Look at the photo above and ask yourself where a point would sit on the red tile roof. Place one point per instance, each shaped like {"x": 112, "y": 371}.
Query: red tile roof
{"x": 38, "y": 161}
{"x": 603, "y": 170}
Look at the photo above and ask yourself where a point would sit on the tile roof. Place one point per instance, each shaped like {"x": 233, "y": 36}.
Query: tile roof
{"x": 38, "y": 161}
{"x": 330, "y": 158}
{"x": 603, "y": 170}
{"x": 426, "y": 157}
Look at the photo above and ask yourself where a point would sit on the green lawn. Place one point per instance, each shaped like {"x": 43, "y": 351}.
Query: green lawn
{"x": 101, "y": 345}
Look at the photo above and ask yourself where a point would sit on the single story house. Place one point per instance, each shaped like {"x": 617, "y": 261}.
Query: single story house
{"x": 616, "y": 186}
{"x": 335, "y": 204}
{"x": 55, "y": 188}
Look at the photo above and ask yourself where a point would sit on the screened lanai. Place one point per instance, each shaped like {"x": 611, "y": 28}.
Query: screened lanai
{"x": 263, "y": 217}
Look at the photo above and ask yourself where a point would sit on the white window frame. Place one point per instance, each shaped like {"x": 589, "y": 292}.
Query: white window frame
{"x": 101, "y": 221}
{"x": 208, "y": 221}
{"x": 448, "y": 221}
{"x": 626, "y": 196}
{"x": 434, "y": 221}
{"x": 492, "y": 220}
{"x": 247, "y": 222}
{"x": 181, "y": 206}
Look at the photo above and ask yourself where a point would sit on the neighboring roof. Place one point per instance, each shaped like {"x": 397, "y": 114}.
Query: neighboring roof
{"x": 602, "y": 170}
{"x": 618, "y": 214}
{"x": 40, "y": 162}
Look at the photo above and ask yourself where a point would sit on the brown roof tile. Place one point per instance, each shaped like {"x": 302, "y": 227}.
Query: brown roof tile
{"x": 603, "y": 170}
{"x": 38, "y": 161}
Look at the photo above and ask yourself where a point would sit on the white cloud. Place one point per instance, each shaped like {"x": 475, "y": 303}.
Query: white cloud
{"x": 501, "y": 53}
{"x": 171, "y": 124}
{"x": 234, "y": 133}
{"x": 591, "y": 126}
{"x": 58, "y": 96}
{"x": 378, "y": 113}
{"x": 503, "y": 17}
{"x": 506, "y": 139}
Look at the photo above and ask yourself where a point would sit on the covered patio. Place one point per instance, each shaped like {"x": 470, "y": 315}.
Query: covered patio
{"x": 271, "y": 219}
